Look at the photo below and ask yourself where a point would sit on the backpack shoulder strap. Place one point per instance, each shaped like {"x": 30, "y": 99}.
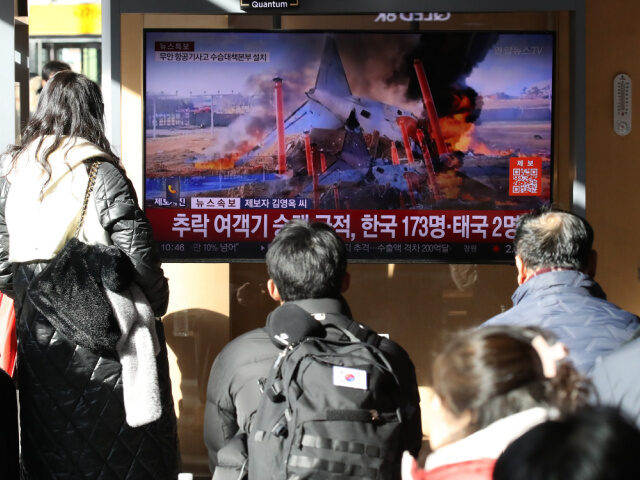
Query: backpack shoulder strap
{"x": 356, "y": 331}
{"x": 364, "y": 334}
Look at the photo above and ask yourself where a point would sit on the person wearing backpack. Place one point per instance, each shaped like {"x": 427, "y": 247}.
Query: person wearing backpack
{"x": 307, "y": 264}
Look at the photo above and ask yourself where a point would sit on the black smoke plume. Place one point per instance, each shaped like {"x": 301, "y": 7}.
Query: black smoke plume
{"x": 448, "y": 58}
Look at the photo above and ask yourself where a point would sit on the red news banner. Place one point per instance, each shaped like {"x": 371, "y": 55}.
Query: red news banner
{"x": 455, "y": 226}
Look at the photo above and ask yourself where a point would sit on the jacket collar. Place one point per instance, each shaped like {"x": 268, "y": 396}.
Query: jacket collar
{"x": 558, "y": 281}
{"x": 336, "y": 306}
{"x": 299, "y": 319}
{"x": 491, "y": 440}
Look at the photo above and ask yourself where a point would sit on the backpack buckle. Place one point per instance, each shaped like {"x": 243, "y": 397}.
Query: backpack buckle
{"x": 375, "y": 416}
{"x": 275, "y": 391}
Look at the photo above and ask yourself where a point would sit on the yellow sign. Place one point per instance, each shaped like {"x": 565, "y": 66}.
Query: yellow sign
{"x": 79, "y": 19}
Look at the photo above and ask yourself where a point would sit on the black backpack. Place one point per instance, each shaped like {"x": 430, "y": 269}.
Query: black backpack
{"x": 330, "y": 409}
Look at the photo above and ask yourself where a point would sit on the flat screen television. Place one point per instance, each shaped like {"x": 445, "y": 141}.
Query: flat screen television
{"x": 414, "y": 146}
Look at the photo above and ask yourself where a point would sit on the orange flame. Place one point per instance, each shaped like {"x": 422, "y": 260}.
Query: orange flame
{"x": 224, "y": 163}
{"x": 456, "y": 131}
{"x": 456, "y": 127}
{"x": 459, "y": 133}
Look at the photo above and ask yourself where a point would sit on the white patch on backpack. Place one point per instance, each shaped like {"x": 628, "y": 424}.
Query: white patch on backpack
{"x": 350, "y": 377}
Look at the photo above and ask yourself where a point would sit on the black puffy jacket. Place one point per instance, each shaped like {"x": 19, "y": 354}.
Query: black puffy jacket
{"x": 233, "y": 391}
{"x": 71, "y": 408}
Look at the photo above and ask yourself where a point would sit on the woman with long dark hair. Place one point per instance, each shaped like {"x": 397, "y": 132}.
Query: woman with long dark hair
{"x": 73, "y": 420}
{"x": 491, "y": 385}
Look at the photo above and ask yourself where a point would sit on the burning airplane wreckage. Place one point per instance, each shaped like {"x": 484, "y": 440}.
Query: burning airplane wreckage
{"x": 346, "y": 152}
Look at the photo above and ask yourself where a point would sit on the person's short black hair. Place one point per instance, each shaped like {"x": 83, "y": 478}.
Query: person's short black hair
{"x": 550, "y": 237}
{"x": 53, "y": 67}
{"x": 595, "y": 443}
{"x": 307, "y": 260}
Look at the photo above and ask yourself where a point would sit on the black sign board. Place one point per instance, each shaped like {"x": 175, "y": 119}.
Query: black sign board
{"x": 268, "y": 4}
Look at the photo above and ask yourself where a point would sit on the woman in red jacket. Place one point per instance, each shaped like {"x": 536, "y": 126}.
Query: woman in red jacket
{"x": 492, "y": 385}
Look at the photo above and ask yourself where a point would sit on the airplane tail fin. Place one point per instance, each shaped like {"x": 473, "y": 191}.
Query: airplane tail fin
{"x": 331, "y": 76}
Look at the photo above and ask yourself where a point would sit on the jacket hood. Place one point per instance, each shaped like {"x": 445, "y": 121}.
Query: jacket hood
{"x": 548, "y": 282}
{"x": 294, "y": 320}
{"x": 55, "y": 208}
{"x": 71, "y": 153}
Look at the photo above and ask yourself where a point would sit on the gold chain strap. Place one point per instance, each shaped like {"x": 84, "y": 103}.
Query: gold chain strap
{"x": 92, "y": 180}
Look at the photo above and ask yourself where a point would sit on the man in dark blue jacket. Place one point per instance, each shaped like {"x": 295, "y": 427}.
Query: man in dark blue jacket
{"x": 556, "y": 264}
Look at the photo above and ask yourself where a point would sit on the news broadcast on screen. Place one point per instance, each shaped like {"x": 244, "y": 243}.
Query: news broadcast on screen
{"x": 414, "y": 146}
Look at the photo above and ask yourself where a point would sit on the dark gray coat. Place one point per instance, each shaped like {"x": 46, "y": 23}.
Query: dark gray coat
{"x": 72, "y": 415}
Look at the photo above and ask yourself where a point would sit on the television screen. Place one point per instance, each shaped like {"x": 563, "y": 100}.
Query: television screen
{"x": 414, "y": 146}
